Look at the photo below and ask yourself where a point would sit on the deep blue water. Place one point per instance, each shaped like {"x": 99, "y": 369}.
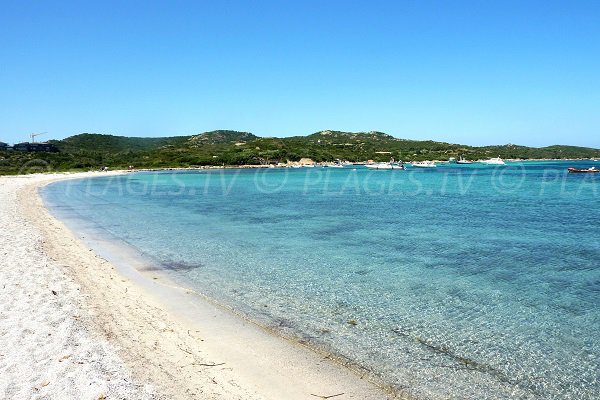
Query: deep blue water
{"x": 467, "y": 282}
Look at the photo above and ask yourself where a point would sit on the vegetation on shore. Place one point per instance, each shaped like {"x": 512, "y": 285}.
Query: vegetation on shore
{"x": 91, "y": 151}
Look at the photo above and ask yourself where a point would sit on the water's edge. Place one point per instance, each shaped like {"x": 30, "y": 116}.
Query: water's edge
{"x": 150, "y": 274}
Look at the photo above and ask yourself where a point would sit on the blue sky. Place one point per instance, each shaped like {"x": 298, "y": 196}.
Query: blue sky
{"x": 473, "y": 72}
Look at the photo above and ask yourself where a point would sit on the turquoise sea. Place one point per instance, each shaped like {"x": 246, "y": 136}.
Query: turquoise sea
{"x": 459, "y": 282}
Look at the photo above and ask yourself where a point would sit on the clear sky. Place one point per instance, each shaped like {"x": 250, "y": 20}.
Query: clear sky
{"x": 473, "y": 72}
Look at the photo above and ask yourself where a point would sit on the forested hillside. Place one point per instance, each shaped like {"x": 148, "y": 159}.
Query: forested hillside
{"x": 222, "y": 147}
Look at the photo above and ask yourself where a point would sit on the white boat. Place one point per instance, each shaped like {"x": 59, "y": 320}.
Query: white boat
{"x": 385, "y": 165}
{"x": 463, "y": 161}
{"x": 336, "y": 164}
{"x": 493, "y": 161}
{"x": 424, "y": 164}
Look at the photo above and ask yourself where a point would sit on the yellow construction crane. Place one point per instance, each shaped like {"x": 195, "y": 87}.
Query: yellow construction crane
{"x": 34, "y": 135}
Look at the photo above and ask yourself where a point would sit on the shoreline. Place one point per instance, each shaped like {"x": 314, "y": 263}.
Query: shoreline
{"x": 210, "y": 351}
{"x": 297, "y": 164}
{"x": 284, "y": 166}
{"x": 131, "y": 262}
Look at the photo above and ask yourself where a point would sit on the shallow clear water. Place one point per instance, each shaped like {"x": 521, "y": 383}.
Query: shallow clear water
{"x": 467, "y": 282}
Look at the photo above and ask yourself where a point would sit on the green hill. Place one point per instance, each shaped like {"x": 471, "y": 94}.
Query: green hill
{"x": 93, "y": 142}
{"x": 219, "y": 137}
{"x": 225, "y": 147}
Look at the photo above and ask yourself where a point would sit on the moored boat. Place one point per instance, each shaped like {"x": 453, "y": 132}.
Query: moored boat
{"x": 336, "y": 164}
{"x": 493, "y": 161}
{"x": 463, "y": 161}
{"x": 424, "y": 164}
{"x": 589, "y": 170}
{"x": 384, "y": 165}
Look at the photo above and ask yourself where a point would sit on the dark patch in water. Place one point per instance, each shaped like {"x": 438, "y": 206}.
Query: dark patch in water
{"x": 362, "y": 272}
{"x": 182, "y": 266}
{"x": 172, "y": 266}
{"x": 594, "y": 286}
{"x": 459, "y": 362}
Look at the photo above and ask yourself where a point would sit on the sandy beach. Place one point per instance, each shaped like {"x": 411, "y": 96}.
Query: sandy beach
{"x": 75, "y": 326}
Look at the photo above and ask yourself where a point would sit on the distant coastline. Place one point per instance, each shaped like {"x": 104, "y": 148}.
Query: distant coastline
{"x": 293, "y": 165}
{"x": 232, "y": 149}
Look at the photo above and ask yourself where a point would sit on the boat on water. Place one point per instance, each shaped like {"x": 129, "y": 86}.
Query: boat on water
{"x": 336, "y": 164}
{"x": 583, "y": 171}
{"x": 384, "y": 165}
{"x": 463, "y": 161}
{"x": 424, "y": 164}
{"x": 493, "y": 161}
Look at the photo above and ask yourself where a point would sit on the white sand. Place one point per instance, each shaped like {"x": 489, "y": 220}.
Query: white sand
{"x": 109, "y": 332}
{"x": 46, "y": 350}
